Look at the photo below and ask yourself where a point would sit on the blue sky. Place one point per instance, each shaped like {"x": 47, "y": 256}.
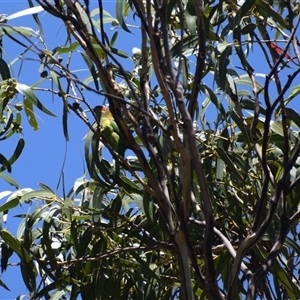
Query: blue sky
{"x": 44, "y": 152}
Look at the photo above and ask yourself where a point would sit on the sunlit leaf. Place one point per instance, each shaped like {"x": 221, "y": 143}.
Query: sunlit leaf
{"x": 9, "y": 205}
{"x": 9, "y": 180}
{"x": 25, "y": 12}
{"x": 28, "y": 105}
{"x": 28, "y": 93}
{"x": 72, "y": 47}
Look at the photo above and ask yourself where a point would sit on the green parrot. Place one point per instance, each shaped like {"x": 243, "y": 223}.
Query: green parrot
{"x": 110, "y": 131}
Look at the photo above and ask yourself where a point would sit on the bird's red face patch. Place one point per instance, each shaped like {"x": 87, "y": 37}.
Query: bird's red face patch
{"x": 104, "y": 109}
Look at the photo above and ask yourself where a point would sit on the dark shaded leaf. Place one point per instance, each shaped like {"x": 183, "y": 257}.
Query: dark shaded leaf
{"x": 6, "y": 253}
{"x": 92, "y": 69}
{"x": 15, "y": 245}
{"x": 4, "y": 70}
{"x": 5, "y": 163}
{"x": 18, "y": 150}
{"x": 242, "y": 12}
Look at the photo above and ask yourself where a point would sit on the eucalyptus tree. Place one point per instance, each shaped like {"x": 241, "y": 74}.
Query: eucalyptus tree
{"x": 206, "y": 201}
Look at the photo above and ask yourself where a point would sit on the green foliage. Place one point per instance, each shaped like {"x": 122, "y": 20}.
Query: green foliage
{"x": 206, "y": 203}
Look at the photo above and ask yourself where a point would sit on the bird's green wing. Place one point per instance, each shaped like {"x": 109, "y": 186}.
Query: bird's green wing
{"x": 114, "y": 125}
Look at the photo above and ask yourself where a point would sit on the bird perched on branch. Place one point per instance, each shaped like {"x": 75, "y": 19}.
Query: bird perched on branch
{"x": 110, "y": 131}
